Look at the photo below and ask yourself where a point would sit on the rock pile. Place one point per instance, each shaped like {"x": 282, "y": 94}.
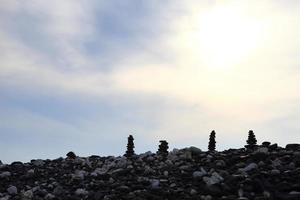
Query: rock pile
{"x": 265, "y": 172}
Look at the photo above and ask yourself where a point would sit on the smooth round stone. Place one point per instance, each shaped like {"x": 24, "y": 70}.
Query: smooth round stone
{"x": 12, "y": 190}
{"x": 275, "y": 172}
{"x": 193, "y": 192}
{"x": 5, "y": 174}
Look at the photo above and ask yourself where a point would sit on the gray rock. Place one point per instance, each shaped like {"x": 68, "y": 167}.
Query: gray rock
{"x": 173, "y": 185}
{"x": 194, "y": 150}
{"x": 220, "y": 163}
{"x": 5, "y": 174}
{"x": 199, "y": 174}
{"x": 148, "y": 170}
{"x": 49, "y": 196}
{"x": 207, "y": 197}
{"x": 81, "y": 192}
{"x": 294, "y": 193}
{"x": 275, "y": 172}
{"x": 266, "y": 194}
{"x": 58, "y": 191}
{"x": 30, "y": 172}
{"x": 276, "y": 163}
{"x": 150, "y": 158}
{"x": 186, "y": 154}
{"x": 262, "y": 150}
{"x": 118, "y": 171}
{"x": 12, "y": 190}
{"x": 124, "y": 188}
{"x": 121, "y": 163}
{"x": 28, "y": 194}
{"x": 214, "y": 179}
{"x": 193, "y": 192}
{"x": 99, "y": 171}
{"x": 250, "y": 167}
{"x": 79, "y": 174}
{"x": 155, "y": 184}
{"x": 166, "y": 173}
{"x": 38, "y": 163}
{"x": 7, "y": 197}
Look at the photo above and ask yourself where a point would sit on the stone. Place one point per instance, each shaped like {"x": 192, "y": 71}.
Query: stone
{"x": 266, "y": 194}
{"x": 166, "y": 173}
{"x": 294, "y": 193}
{"x": 79, "y": 174}
{"x": 187, "y": 155}
{"x": 124, "y": 188}
{"x": 207, "y": 197}
{"x": 122, "y": 162}
{"x": 5, "y": 174}
{"x": 71, "y": 155}
{"x": 266, "y": 143}
{"x": 30, "y": 172}
{"x": 38, "y": 163}
{"x": 214, "y": 179}
{"x": 250, "y": 167}
{"x": 5, "y": 197}
{"x": 204, "y": 176}
{"x": 275, "y": 172}
{"x": 58, "y": 191}
{"x": 276, "y": 163}
{"x": 12, "y": 190}
{"x": 293, "y": 147}
{"x": 220, "y": 163}
{"x": 155, "y": 184}
{"x": 172, "y": 185}
{"x": 199, "y": 174}
{"x": 273, "y": 147}
{"x": 81, "y": 192}
{"x": 28, "y": 194}
{"x": 49, "y": 196}
{"x": 193, "y": 192}
{"x": 194, "y": 150}
{"x": 99, "y": 171}
{"x": 262, "y": 150}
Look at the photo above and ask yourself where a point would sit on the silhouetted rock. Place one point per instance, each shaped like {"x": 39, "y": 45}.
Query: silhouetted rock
{"x": 163, "y": 148}
{"x": 293, "y": 147}
{"x": 130, "y": 146}
{"x": 71, "y": 155}
{"x": 266, "y": 144}
{"x": 251, "y": 141}
{"x": 273, "y": 146}
{"x": 212, "y": 141}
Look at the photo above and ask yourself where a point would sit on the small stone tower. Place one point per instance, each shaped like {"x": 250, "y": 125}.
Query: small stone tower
{"x": 212, "y": 141}
{"x": 251, "y": 142}
{"x": 163, "y": 148}
{"x": 130, "y": 146}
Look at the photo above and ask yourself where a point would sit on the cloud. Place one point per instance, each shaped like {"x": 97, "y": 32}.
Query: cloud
{"x": 147, "y": 56}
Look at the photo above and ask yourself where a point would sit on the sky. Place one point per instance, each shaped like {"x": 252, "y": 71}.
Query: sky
{"x": 81, "y": 75}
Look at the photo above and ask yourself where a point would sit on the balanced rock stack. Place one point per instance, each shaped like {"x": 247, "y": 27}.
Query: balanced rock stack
{"x": 163, "y": 148}
{"x": 184, "y": 174}
{"x": 130, "y": 146}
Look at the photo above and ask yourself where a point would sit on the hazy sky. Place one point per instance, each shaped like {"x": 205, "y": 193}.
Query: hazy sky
{"x": 83, "y": 75}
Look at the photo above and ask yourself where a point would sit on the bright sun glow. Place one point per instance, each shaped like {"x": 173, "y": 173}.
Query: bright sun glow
{"x": 226, "y": 37}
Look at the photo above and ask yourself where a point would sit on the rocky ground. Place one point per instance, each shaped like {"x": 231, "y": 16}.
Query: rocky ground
{"x": 267, "y": 172}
